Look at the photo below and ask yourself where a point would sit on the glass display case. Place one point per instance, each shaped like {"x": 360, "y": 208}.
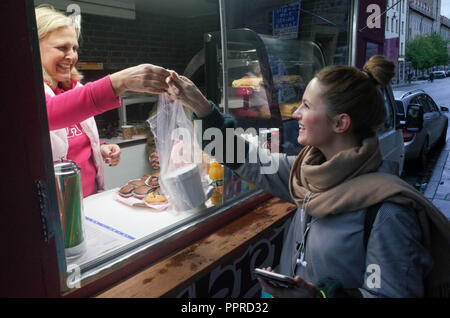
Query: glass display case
{"x": 266, "y": 80}
{"x": 267, "y": 77}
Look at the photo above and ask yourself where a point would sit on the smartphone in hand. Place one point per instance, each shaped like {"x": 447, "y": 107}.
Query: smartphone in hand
{"x": 275, "y": 278}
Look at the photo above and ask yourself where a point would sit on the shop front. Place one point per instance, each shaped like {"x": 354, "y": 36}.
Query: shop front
{"x": 251, "y": 58}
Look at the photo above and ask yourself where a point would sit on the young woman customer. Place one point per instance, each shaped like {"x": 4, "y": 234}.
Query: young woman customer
{"x": 71, "y": 106}
{"x": 334, "y": 181}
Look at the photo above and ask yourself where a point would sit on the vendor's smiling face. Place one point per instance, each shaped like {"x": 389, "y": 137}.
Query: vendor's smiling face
{"x": 315, "y": 124}
{"x": 59, "y": 53}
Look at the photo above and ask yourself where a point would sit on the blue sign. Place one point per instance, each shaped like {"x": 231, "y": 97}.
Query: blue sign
{"x": 286, "y": 20}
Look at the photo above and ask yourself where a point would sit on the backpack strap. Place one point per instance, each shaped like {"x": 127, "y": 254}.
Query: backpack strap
{"x": 370, "y": 216}
{"x": 330, "y": 287}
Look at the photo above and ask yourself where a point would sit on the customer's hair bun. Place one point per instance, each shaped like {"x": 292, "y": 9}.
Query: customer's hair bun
{"x": 381, "y": 69}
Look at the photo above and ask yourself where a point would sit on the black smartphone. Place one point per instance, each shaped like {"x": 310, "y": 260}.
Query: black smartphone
{"x": 275, "y": 278}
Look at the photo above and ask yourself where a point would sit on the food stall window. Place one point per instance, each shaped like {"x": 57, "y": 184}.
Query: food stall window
{"x": 119, "y": 229}
{"x": 267, "y": 77}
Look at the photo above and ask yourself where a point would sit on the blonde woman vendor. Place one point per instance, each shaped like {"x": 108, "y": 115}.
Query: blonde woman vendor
{"x": 71, "y": 105}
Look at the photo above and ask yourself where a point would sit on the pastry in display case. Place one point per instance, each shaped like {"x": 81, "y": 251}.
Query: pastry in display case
{"x": 287, "y": 109}
{"x": 248, "y": 82}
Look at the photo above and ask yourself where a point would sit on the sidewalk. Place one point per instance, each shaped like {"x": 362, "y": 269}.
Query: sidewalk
{"x": 417, "y": 82}
{"x": 438, "y": 188}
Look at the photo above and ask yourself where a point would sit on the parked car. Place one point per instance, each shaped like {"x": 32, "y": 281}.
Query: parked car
{"x": 447, "y": 73}
{"x": 439, "y": 74}
{"x": 425, "y": 124}
{"x": 390, "y": 132}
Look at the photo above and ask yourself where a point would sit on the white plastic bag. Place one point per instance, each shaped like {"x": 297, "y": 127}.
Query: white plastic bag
{"x": 180, "y": 157}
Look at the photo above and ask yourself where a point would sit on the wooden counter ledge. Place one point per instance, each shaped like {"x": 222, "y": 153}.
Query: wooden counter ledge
{"x": 169, "y": 276}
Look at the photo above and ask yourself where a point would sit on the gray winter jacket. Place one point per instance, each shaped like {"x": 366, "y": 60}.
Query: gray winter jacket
{"x": 395, "y": 264}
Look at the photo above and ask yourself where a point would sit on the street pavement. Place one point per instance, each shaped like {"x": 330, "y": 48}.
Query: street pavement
{"x": 438, "y": 187}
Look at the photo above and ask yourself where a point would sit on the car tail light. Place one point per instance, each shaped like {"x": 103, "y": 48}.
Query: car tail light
{"x": 407, "y": 135}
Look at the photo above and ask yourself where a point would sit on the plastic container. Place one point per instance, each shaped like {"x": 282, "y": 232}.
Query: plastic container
{"x": 216, "y": 175}
{"x": 215, "y": 171}
{"x": 70, "y": 202}
{"x": 127, "y": 132}
{"x": 184, "y": 187}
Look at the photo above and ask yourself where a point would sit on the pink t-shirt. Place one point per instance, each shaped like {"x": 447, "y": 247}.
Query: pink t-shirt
{"x": 80, "y": 151}
{"x": 76, "y": 104}
{"x": 80, "y": 104}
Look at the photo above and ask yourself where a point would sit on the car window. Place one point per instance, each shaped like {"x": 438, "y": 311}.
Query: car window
{"x": 419, "y": 101}
{"x": 426, "y": 106}
{"x": 432, "y": 104}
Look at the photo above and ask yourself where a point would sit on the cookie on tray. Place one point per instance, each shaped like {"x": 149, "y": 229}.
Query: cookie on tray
{"x": 137, "y": 182}
{"x": 141, "y": 191}
{"x": 126, "y": 191}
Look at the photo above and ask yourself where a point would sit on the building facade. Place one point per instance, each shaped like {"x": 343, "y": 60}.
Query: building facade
{"x": 395, "y": 36}
{"x": 445, "y": 31}
{"x": 423, "y": 17}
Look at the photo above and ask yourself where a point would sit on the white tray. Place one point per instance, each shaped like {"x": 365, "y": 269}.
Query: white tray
{"x": 129, "y": 221}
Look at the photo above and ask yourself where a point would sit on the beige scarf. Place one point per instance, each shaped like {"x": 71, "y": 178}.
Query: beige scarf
{"x": 349, "y": 182}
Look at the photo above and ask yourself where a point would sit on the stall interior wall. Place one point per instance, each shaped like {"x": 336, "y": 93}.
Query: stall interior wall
{"x": 117, "y": 43}
{"x": 325, "y": 22}
{"x": 170, "y": 42}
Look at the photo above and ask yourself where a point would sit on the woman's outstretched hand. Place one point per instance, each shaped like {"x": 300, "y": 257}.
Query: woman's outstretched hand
{"x": 145, "y": 78}
{"x": 183, "y": 89}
